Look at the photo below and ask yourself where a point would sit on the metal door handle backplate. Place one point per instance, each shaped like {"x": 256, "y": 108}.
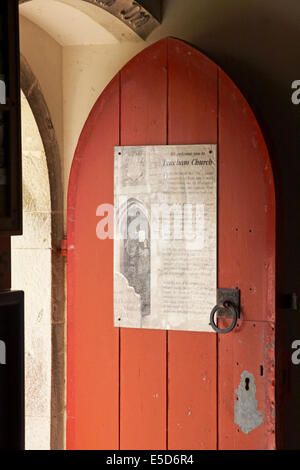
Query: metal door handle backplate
{"x": 228, "y": 306}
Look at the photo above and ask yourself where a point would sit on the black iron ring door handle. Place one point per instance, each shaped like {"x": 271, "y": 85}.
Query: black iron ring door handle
{"x": 228, "y": 306}
{"x": 224, "y": 309}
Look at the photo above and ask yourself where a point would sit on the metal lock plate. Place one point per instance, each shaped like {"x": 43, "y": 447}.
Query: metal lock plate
{"x": 228, "y": 295}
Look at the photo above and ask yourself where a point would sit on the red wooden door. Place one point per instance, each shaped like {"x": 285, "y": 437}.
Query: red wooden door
{"x": 146, "y": 389}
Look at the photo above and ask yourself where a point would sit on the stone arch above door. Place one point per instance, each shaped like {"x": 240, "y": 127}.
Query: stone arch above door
{"x": 141, "y": 16}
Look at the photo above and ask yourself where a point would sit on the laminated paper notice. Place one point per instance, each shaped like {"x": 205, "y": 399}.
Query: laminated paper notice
{"x": 165, "y": 201}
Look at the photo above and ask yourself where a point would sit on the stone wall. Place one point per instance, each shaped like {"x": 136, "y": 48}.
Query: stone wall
{"x": 31, "y": 272}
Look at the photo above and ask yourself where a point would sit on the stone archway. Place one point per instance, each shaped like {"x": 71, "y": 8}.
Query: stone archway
{"x": 141, "y": 16}
{"x": 55, "y": 232}
{"x": 31, "y": 272}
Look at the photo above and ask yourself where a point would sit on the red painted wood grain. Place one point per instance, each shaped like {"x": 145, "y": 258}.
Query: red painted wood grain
{"x": 92, "y": 340}
{"x": 192, "y": 366}
{"x": 246, "y": 259}
{"x": 143, "y": 352}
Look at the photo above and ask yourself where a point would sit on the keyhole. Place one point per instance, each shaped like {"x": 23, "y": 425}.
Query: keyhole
{"x": 247, "y": 380}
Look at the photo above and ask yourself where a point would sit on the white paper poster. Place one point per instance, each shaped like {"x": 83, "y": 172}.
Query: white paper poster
{"x": 165, "y": 242}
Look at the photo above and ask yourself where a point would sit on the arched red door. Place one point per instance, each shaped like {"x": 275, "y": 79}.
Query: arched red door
{"x": 154, "y": 389}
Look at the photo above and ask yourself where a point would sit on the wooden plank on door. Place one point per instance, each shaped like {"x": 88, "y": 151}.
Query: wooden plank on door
{"x": 246, "y": 251}
{"x": 192, "y": 363}
{"x": 143, "y": 352}
{"x": 246, "y": 392}
{"x": 93, "y": 342}
{"x": 246, "y": 206}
